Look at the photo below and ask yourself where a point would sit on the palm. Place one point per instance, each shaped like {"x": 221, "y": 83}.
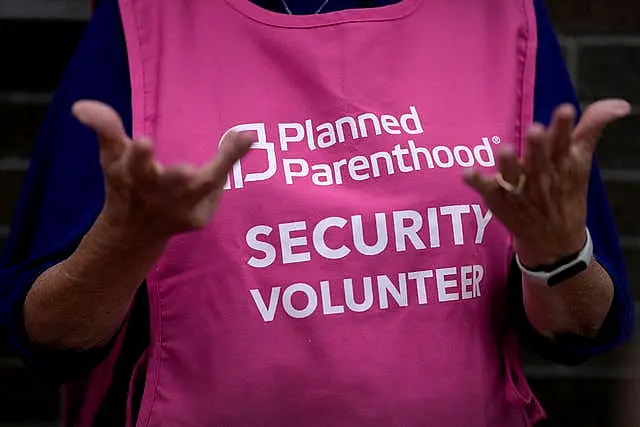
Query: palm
{"x": 150, "y": 198}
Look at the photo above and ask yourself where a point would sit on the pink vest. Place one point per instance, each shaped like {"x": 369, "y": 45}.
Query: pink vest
{"x": 349, "y": 277}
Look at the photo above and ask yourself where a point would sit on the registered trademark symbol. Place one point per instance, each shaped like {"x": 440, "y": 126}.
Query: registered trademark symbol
{"x": 496, "y": 140}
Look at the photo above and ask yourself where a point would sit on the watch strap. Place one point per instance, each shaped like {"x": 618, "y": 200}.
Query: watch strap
{"x": 565, "y": 268}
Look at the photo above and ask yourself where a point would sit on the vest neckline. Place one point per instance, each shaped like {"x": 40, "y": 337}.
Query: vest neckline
{"x": 395, "y": 11}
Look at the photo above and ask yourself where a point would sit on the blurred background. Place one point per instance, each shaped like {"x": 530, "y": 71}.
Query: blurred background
{"x": 601, "y": 41}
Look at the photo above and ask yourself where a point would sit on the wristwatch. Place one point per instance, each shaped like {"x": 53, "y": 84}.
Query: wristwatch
{"x": 564, "y": 269}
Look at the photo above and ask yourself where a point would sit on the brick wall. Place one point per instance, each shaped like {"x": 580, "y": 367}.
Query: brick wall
{"x": 602, "y": 45}
{"x": 601, "y": 40}
{"x": 34, "y": 54}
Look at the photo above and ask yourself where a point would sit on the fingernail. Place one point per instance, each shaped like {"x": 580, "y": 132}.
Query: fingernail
{"x": 624, "y": 108}
{"x": 76, "y": 110}
{"x": 568, "y": 109}
{"x": 468, "y": 173}
{"x": 536, "y": 129}
{"x": 507, "y": 150}
{"x": 620, "y": 107}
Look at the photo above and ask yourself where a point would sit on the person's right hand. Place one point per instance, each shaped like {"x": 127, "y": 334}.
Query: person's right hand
{"x": 145, "y": 200}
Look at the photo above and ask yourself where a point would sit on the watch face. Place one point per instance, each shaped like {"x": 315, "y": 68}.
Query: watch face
{"x": 567, "y": 273}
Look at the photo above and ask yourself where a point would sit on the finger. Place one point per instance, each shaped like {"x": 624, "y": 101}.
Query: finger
{"x": 107, "y": 124}
{"x": 175, "y": 179}
{"x": 537, "y": 156}
{"x": 560, "y": 131}
{"x": 595, "y": 119}
{"x": 232, "y": 148}
{"x": 509, "y": 164}
{"x": 484, "y": 185}
{"x": 141, "y": 164}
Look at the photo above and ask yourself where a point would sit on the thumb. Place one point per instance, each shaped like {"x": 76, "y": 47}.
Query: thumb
{"x": 107, "y": 124}
{"x": 596, "y": 118}
{"x": 233, "y": 147}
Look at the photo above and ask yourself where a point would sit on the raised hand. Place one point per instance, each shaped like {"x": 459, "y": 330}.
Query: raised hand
{"x": 148, "y": 200}
{"x": 542, "y": 197}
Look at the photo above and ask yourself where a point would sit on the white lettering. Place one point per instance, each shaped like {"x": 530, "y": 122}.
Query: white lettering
{"x": 336, "y": 168}
{"x": 285, "y": 138}
{"x": 449, "y": 157}
{"x": 319, "y": 238}
{"x": 326, "y": 135}
{"x": 466, "y": 282}
{"x": 416, "y": 159}
{"x": 300, "y": 300}
{"x": 482, "y": 221}
{"x": 308, "y": 309}
{"x": 444, "y": 285}
{"x": 268, "y": 250}
{"x": 374, "y": 163}
{"x": 363, "y": 125}
{"x": 404, "y": 232}
{"x": 434, "y": 232}
{"x": 368, "y": 295}
{"x": 381, "y": 235}
{"x": 478, "y": 274}
{"x": 390, "y": 124}
{"x": 289, "y": 173}
{"x": 399, "y": 153}
{"x": 456, "y": 212}
{"x": 327, "y": 307}
{"x": 399, "y": 294}
{"x": 331, "y": 238}
{"x": 357, "y": 164}
{"x": 468, "y": 154}
{"x": 267, "y": 313}
{"x": 310, "y": 142}
{"x": 287, "y": 242}
{"x": 411, "y": 117}
{"x": 484, "y": 148}
{"x": 322, "y": 175}
{"x": 421, "y": 286}
{"x": 340, "y": 130}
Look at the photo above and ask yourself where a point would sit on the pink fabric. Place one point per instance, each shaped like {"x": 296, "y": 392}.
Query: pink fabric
{"x": 139, "y": 369}
{"x": 81, "y": 399}
{"x": 349, "y": 278}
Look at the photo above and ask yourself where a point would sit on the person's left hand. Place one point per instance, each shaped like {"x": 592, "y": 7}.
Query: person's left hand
{"x": 543, "y": 202}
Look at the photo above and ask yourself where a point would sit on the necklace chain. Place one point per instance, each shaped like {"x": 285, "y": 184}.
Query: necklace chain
{"x": 322, "y": 6}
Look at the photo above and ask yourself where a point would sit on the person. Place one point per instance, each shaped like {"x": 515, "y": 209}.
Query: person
{"x": 380, "y": 222}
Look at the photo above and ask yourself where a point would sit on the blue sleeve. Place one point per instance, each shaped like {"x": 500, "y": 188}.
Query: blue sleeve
{"x": 553, "y": 87}
{"x": 64, "y": 192}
